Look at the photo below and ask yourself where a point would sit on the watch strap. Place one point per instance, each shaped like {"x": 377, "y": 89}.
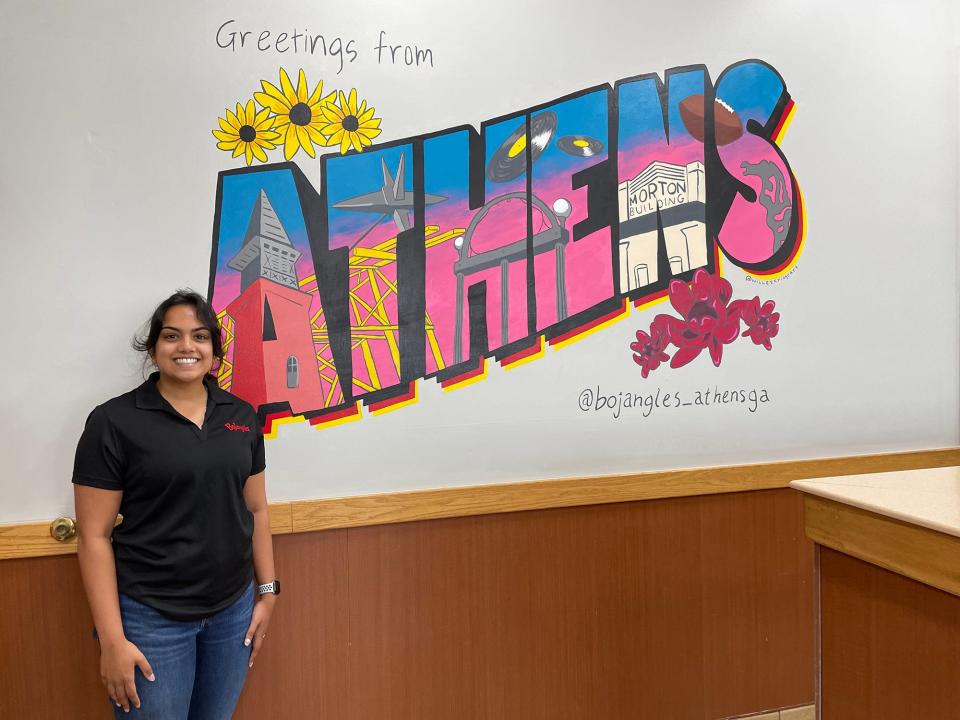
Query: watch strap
{"x": 270, "y": 587}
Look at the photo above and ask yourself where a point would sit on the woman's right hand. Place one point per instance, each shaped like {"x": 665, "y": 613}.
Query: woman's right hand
{"x": 118, "y": 663}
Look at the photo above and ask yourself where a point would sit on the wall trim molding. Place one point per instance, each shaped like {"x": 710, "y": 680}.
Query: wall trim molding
{"x": 24, "y": 540}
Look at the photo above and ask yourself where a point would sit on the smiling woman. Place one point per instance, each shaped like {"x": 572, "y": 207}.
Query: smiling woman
{"x": 171, "y": 588}
{"x": 182, "y": 339}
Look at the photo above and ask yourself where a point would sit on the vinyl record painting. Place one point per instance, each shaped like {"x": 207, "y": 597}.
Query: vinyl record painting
{"x": 510, "y": 159}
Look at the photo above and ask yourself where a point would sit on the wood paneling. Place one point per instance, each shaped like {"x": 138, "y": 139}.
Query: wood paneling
{"x": 49, "y": 661}
{"x": 301, "y": 672}
{"x": 688, "y": 609}
{"x": 890, "y": 645}
{"x": 33, "y": 539}
{"x": 758, "y": 602}
{"x": 917, "y": 552}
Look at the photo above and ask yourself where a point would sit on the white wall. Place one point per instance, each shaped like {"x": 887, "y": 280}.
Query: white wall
{"x": 108, "y": 174}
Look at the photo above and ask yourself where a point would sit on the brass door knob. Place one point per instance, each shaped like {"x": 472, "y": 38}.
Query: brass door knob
{"x": 63, "y": 529}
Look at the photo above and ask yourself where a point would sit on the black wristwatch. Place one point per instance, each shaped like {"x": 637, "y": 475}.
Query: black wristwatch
{"x": 270, "y": 587}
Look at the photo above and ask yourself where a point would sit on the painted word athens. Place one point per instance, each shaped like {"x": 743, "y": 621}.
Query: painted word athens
{"x": 431, "y": 256}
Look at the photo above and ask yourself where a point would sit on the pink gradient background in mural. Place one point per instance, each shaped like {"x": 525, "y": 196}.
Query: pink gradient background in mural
{"x": 636, "y": 159}
{"x": 441, "y": 283}
{"x": 370, "y": 290}
{"x": 745, "y": 233}
{"x": 589, "y": 270}
{"x": 589, "y": 275}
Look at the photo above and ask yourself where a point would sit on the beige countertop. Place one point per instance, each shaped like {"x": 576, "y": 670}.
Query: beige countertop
{"x": 929, "y": 498}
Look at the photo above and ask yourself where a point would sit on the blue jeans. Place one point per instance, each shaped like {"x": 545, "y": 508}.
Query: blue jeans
{"x": 199, "y": 665}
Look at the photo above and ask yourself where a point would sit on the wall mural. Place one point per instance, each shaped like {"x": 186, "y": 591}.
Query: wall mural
{"x": 431, "y": 256}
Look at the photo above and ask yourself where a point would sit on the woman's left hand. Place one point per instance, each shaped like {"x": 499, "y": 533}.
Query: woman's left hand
{"x": 259, "y": 622}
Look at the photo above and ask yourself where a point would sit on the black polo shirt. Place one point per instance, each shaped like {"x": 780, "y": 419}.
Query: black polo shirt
{"x": 184, "y": 546}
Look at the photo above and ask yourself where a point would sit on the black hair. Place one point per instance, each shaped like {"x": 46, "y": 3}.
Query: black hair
{"x": 147, "y": 342}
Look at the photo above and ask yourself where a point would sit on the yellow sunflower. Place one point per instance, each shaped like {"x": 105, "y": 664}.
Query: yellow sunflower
{"x": 349, "y": 125}
{"x": 298, "y": 112}
{"x": 247, "y": 132}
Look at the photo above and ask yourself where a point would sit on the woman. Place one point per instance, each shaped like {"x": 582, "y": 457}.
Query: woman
{"x": 173, "y": 599}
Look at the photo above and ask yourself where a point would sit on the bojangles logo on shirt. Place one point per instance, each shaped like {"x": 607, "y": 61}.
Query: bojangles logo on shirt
{"x": 235, "y": 428}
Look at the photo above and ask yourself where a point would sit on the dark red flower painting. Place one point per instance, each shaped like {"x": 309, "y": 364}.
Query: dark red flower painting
{"x": 648, "y": 350}
{"x": 762, "y": 322}
{"x": 708, "y": 321}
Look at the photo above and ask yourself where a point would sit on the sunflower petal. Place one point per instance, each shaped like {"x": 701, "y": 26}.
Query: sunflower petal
{"x": 302, "y": 86}
{"x": 241, "y": 115}
{"x": 234, "y": 121}
{"x": 345, "y": 143}
{"x": 372, "y": 124}
{"x": 225, "y": 137}
{"x": 331, "y": 128}
{"x": 369, "y": 132}
{"x": 330, "y": 99}
{"x": 270, "y": 103}
{"x": 260, "y": 117}
{"x": 227, "y": 127}
{"x": 332, "y": 113}
{"x": 228, "y": 145}
{"x": 315, "y": 95}
{"x": 258, "y": 152}
{"x": 352, "y": 101}
{"x": 290, "y": 143}
{"x": 287, "y": 88}
{"x": 304, "y": 139}
{"x": 315, "y": 135}
{"x": 238, "y": 151}
{"x": 251, "y": 111}
{"x": 334, "y": 139}
{"x": 365, "y": 141}
{"x": 355, "y": 141}
{"x": 248, "y": 153}
{"x": 271, "y": 90}
{"x": 364, "y": 116}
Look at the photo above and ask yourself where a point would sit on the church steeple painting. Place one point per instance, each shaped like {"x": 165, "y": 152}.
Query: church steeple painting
{"x": 275, "y": 360}
{"x": 267, "y": 251}
{"x": 269, "y": 328}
